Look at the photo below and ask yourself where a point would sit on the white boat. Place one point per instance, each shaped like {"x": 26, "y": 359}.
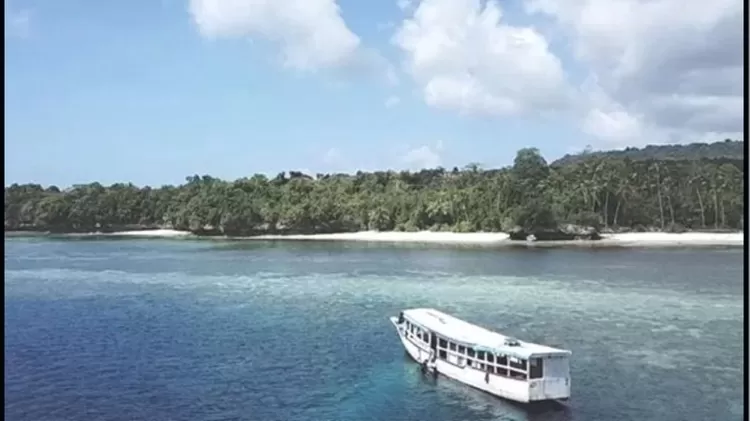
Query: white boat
{"x": 497, "y": 364}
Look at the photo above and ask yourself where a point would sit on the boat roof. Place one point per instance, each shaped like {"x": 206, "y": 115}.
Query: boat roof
{"x": 477, "y": 336}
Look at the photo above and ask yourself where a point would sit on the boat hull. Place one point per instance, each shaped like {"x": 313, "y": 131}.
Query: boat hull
{"x": 500, "y": 386}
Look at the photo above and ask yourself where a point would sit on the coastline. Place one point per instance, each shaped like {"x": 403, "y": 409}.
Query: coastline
{"x": 631, "y": 239}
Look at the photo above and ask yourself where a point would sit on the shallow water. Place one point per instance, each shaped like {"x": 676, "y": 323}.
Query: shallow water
{"x": 192, "y": 330}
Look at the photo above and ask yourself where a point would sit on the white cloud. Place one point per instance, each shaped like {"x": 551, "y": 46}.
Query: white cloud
{"x": 311, "y": 33}
{"x": 608, "y": 121}
{"x": 391, "y": 75}
{"x": 658, "y": 70}
{"x": 424, "y": 156}
{"x": 392, "y": 101}
{"x": 17, "y": 21}
{"x": 465, "y": 58}
{"x": 616, "y": 126}
{"x": 333, "y": 156}
{"x": 669, "y": 69}
{"x": 404, "y": 4}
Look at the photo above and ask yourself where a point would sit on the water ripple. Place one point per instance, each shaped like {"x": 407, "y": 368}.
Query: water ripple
{"x": 155, "y": 330}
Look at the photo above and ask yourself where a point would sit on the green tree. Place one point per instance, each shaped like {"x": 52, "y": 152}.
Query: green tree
{"x": 694, "y": 187}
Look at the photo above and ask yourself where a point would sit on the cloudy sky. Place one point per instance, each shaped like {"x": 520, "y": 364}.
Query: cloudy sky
{"x": 151, "y": 91}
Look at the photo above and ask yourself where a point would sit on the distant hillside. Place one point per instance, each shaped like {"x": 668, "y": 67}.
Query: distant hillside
{"x": 728, "y": 149}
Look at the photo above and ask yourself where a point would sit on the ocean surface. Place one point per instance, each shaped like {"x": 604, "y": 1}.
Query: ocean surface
{"x": 204, "y": 330}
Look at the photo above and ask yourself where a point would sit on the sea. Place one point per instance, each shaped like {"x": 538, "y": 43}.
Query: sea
{"x": 109, "y": 329}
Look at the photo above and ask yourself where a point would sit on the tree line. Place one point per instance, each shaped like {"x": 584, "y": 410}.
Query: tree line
{"x": 595, "y": 190}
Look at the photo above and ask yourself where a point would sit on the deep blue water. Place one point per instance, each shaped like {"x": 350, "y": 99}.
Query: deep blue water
{"x": 200, "y": 330}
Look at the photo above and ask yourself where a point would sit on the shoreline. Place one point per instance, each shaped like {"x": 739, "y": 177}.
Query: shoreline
{"x": 631, "y": 239}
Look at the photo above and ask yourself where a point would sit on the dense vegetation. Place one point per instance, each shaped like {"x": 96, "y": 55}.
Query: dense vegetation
{"x": 593, "y": 190}
{"x": 727, "y": 149}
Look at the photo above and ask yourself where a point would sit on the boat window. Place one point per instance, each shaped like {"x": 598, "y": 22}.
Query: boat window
{"x": 443, "y": 343}
{"x": 535, "y": 368}
{"x": 490, "y": 358}
{"x": 452, "y": 346}
{"x": 517, "y": 375}
{"x": 471, "y": 352}
{"x": 518, "y": 363}
{"x": 461, "y": 349}
{"x": 501, "y": 371}
{"x": 480, "y": 355}
{"x": 443, "y": 354}
{"x": 502, "y": 360}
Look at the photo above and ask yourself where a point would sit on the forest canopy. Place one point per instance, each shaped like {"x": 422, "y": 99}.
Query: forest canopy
{"x": 686, "y": 187}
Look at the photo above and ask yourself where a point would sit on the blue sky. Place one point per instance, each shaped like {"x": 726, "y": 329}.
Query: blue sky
{"x": 152, "y": 91}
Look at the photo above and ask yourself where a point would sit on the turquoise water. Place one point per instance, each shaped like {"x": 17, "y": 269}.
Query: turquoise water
{"x": 201, "y": 330}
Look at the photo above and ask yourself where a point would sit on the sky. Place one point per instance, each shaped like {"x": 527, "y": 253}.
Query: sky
{"x": 152, "y": 91}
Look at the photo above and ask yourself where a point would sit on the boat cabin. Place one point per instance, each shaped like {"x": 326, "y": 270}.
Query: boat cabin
{"x": 463, "y": 344}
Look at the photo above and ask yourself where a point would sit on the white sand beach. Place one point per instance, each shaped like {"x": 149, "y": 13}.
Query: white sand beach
{"x": 633, "y": 239}
{"x": 671, "y": 239}
{"x": 400, "y": 237}
{"x": 160, "y": 233}
{"x": 639, "y": 239}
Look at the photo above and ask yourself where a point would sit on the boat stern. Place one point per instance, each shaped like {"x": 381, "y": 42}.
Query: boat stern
{"x": 549, "y": 390}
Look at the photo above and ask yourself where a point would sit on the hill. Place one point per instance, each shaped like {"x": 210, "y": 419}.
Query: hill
{"x": 728, "y": 149}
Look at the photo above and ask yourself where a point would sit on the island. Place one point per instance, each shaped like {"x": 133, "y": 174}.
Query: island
{"x": 666, "y": 188}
